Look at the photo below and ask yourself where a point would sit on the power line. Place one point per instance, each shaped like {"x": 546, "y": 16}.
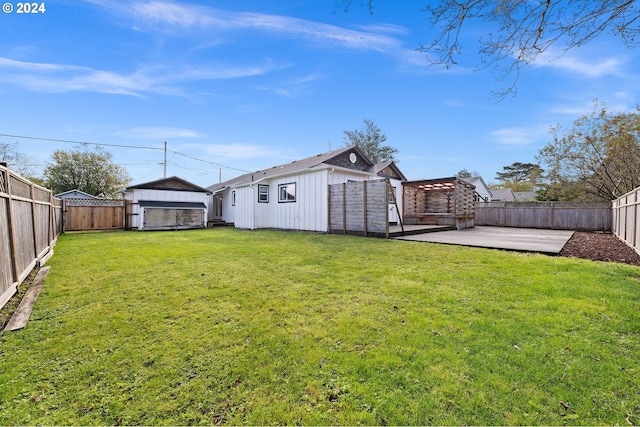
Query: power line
{"x": 121, "y": 146}
{"x": 80, "y": 142}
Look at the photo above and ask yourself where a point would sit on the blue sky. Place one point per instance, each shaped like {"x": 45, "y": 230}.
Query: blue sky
{"x": 246, "y": 85}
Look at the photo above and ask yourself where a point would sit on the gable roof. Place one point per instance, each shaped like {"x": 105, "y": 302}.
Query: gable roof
{"x": 475, "y": 180}
{"x": 330, "y": 158}
{"x": 74, "y": 191}
{"x": 505, "y": 194}
{"x": 525, "y": 195}
{"x": 388, "y": 169}
{"x": 172, "y": 183}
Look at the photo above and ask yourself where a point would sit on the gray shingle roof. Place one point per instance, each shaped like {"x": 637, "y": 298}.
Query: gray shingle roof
{"x": 292, "y": 167}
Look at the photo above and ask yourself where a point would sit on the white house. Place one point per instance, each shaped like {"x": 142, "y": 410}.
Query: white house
{"x": 294, "y": 196}
{"x": 166, "y": 204}
{"x": 483, "y": 193}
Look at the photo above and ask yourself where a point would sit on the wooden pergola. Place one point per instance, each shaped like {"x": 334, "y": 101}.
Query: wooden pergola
{"x": 442, "y": 201}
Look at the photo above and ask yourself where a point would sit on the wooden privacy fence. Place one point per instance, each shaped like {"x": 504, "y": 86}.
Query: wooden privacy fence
{"x": 93, "y": 214}
{"x": 550, "y": 215}
{"x": 30, "y": 222}
{"x": 626, "y": 218}
{"x": 359, "y": 208}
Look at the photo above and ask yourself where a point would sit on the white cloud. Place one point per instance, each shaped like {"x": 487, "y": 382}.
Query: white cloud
{"x": 519, "y": 135}
{"x": 169, "y": 16}
{"x": 290, "y": 88}
{"x": 163, "y": 133}
{"x": 59, "y": 78}
{"x": 590, "y": 67}
{"x": 235, "y": 150}
{"x": 383, "y": 28}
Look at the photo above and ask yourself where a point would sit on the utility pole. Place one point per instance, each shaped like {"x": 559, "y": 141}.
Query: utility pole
{"x": 165, "y": 159}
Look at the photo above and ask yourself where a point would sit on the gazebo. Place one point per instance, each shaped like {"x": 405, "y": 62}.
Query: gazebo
{"x": 442, "y": 201}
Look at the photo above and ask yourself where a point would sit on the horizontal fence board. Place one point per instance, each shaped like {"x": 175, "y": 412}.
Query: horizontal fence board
{"x": 626, "y": 218}
{"x": 550, "y": 215}
{"x": 359, "y": 207}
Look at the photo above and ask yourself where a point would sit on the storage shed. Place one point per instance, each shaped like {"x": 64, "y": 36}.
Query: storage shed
{"x": 443, "y": 201}
{"x": 166, "y": 204}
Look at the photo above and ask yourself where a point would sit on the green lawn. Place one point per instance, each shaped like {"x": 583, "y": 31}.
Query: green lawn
{"x": 236, "y": 327}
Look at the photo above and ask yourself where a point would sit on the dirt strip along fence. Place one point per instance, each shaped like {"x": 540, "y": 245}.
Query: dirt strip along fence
{"x": 93, "y": 214}
{"x": 626, "y": 218}
{"x": 30, "y": 223}
{"x": 590, "y": 216}
{"x": 359, "y": 208}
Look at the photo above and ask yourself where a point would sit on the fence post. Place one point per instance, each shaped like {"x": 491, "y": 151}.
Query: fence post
{"x": 344, "y": 208}
{"x": 364, "y": 197}
{"x": 634, "y": 211}
{"x": 33, "y": 219}
{"x": 12, "y": 230}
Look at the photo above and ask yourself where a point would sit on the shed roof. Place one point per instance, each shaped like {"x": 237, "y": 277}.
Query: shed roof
{"x": 172, "y": 183}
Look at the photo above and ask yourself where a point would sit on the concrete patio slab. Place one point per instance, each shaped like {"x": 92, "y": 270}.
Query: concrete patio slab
{"x": 516, "y": 239}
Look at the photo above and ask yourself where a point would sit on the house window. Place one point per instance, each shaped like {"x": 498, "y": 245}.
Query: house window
{"x": 233, "y": 198}
{"x": 287, "y": 192}
{"x": 263, "y": 193}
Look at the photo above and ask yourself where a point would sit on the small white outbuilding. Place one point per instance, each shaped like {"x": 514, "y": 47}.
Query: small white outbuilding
{"x": 166, "y": 204}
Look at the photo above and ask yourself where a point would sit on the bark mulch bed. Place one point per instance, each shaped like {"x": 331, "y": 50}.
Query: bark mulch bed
{"x": 599, "y": 246}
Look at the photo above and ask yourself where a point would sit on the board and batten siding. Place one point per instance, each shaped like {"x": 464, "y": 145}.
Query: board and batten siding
{"x": 244, "y": 208}
{"x": 310, "y": 211}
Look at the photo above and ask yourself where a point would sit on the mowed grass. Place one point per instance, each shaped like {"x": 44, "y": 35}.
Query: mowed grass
{"x": 237, "y": 327}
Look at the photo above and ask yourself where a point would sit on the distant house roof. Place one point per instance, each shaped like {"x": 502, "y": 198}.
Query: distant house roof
{"x": 505, "y": 194}
{"x": 74, "y": 194}
{"x": 172, "y": 183}
{"x": 525, "y": 195}
{"x": 331, "y": 158}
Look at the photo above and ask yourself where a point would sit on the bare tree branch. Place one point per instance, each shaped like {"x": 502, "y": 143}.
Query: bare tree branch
{"x": 522, "y": 29}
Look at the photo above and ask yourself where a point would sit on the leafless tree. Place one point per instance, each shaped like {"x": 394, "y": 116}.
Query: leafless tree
{"x": 16, "y": 160}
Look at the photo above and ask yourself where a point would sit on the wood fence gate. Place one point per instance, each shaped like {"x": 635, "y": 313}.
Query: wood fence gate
{"x": 93, "y": 214}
